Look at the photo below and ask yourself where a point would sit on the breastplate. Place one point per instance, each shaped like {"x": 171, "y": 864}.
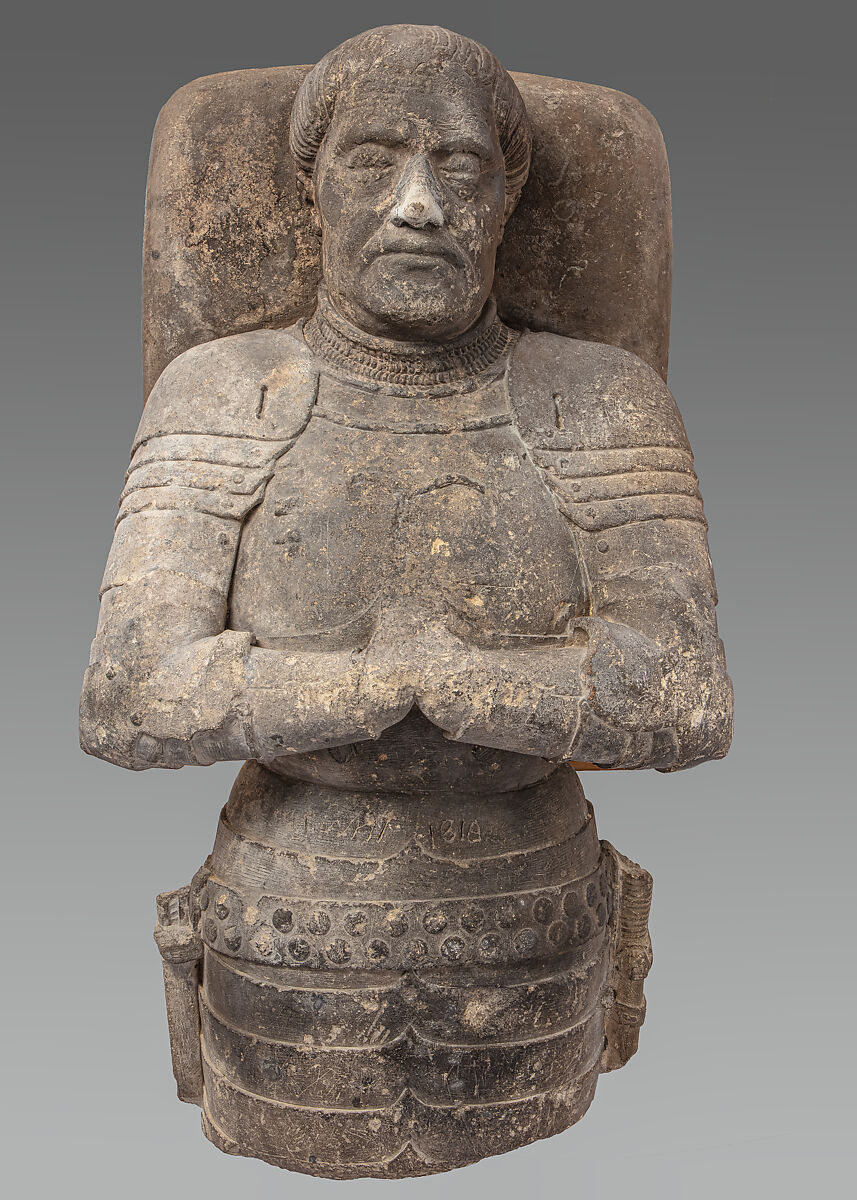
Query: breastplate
{"x": 386, "y": 497}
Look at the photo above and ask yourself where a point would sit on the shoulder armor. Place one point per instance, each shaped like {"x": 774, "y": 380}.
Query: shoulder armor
{"x": 590, "y": 396}
{"x": 217, "y": 420}
{"x": 259, "y": 385}
{"x": 605, "y": 430}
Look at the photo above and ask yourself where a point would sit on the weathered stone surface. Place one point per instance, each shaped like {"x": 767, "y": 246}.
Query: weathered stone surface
{"x": 411, "y": 563}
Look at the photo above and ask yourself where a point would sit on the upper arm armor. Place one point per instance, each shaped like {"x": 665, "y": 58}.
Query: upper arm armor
{"x": 609, "y": 440}
{"x": 217, "y": 420}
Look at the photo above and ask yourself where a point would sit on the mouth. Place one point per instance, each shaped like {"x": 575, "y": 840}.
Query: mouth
{"x": 418, "y": 251}
{"x": 416, "y": 259}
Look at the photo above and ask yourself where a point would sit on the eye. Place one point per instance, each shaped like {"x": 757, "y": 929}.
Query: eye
{"x": 462, "y": 165}
{"x": 369, "y": 158}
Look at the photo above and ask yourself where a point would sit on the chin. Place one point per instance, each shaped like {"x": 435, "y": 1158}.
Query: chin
{"x": 421, "y": 307}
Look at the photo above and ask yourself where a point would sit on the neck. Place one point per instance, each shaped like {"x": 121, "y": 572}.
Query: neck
{"x": 387, "y": 362}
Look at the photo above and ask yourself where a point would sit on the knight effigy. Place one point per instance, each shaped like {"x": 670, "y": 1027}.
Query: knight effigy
{"x": 411, "y": 529}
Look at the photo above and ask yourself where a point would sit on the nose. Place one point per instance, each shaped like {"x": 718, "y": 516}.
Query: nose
{"x": 418, "y": 199}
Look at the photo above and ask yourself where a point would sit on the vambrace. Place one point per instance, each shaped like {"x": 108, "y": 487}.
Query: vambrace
{"x": 655, "y": 684}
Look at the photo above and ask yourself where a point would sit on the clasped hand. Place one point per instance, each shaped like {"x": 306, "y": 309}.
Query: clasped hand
{"x": 226, "y": 699}
{"x": 524, "y": 699}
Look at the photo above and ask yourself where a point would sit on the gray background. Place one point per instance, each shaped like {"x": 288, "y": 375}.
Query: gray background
{"x": 743, "y": 1085}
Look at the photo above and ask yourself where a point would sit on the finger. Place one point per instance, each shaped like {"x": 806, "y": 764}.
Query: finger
{"x": 170, "y": 753}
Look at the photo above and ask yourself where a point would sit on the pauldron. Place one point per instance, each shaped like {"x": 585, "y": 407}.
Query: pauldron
{"x": 216, "y": 423}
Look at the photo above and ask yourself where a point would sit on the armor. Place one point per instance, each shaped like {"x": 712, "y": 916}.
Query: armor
{"x": 611, "y": 453}
{"x": 420, "y": 942}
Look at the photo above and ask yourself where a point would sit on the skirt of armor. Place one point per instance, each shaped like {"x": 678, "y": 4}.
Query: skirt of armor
{"x": 396, "y": 983}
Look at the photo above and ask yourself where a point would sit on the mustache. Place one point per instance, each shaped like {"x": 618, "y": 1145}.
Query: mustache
{"x": 438, "y": 244}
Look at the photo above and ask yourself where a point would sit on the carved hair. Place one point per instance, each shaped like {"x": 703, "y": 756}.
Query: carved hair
{"x": 315, "y": 101}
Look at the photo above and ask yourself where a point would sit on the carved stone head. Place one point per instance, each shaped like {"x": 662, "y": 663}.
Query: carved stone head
{"x": 414, "y": 146}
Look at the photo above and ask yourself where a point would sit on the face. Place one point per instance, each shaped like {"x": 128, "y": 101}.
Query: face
{"x": 409, "y": 186}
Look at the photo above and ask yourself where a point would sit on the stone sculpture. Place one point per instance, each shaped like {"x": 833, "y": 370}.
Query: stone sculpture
{"x": 413, "y": 564}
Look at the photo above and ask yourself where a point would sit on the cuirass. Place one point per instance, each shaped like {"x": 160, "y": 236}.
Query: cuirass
{"x": 385, "y": 498}
{"x": 433, "y": 500}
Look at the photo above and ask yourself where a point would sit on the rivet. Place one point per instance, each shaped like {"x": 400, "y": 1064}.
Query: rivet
{"x": 282, "y": 920}
{"x": 339, "y": 951}
{"x": 434, "y": 922}
{"x": 525, "y": 941}
{"x": 489, "y": 946}
{"x": 377, "y": 951}
{"x": 452, "y": 949}
{"x": 602, "y": 546}
{"x": 299, "y": 949}
{"x": 355, "y": 923}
